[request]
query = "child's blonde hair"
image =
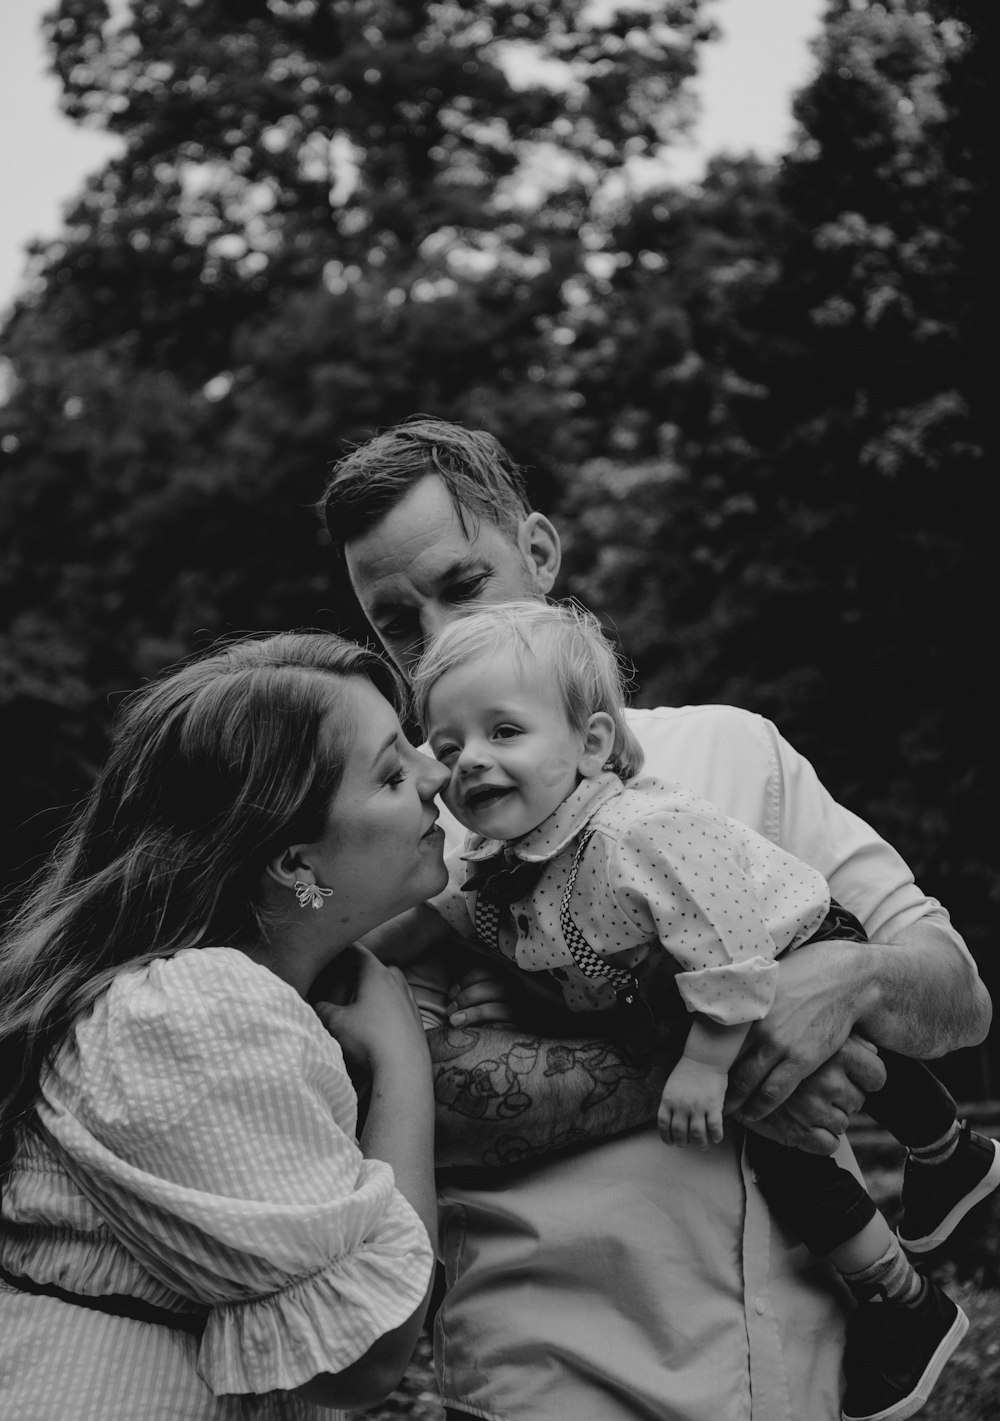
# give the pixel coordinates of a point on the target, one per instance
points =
(570, 649)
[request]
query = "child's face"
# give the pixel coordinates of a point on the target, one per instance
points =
(506, 738)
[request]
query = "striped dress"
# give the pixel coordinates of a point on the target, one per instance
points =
(194, 1149)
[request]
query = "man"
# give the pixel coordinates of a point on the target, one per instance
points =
(625, 1280)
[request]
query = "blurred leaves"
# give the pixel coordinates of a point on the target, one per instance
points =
(763, 407)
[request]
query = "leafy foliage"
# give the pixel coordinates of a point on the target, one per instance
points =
(810, 538)
(762, 406)
(325, 217)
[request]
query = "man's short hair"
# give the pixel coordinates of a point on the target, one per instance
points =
(482, 480)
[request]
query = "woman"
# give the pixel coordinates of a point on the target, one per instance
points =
(189, 1228)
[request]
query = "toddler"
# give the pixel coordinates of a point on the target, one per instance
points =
(635, 899)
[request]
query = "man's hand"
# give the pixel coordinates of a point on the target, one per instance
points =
(482, 995)
(823, 990)
(816, 1114)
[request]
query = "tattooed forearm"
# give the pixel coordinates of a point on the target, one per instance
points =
(504, 1097)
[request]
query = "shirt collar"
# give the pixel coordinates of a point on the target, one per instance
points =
(550, 837)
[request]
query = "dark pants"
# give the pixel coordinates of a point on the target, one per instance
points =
(821, 1203)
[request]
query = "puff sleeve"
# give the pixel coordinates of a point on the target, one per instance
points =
(206, 1113)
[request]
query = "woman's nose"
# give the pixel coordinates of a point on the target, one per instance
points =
(434, 778)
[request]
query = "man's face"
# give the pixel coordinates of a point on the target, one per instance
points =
(420, 568)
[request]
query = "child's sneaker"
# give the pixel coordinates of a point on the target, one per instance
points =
(936, 1197)
(895, 1354)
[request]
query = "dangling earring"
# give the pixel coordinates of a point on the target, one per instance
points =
(310, 895)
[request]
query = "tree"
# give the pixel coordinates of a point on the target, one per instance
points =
(327, 214)
(810, 454)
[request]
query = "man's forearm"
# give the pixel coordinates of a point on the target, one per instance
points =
(919, 995)
(504, 1096)
(926, 998)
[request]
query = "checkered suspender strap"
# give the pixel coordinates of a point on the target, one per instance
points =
(487, 918)
(589, 963)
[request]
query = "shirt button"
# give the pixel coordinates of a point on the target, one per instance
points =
(759, 1306)
(522, 924)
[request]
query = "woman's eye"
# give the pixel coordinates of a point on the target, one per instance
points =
(397, 777)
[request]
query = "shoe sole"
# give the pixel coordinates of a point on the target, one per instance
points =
(946, 1227)
(910, 1405)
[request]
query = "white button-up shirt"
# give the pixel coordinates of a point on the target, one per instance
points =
(632, 1282)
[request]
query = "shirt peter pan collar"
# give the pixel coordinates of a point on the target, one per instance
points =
(563, 825)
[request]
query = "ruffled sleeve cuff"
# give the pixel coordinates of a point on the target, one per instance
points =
(733, 993)
(323, 1322)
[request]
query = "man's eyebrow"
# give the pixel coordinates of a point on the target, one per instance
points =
(468, 562)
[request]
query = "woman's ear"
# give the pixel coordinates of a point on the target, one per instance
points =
(599, 742)
(289, 868)
(539, 544)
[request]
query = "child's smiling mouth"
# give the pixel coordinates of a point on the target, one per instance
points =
(484, 795)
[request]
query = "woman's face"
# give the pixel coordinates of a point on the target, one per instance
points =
(382, 850)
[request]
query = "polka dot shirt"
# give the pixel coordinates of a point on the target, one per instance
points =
(664, 870)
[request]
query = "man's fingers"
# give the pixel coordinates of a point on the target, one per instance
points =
(476, 1015)
(862, 1064)
(783, 1128)
(773, 1091)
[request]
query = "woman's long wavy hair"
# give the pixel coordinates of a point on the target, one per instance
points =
(212, 771)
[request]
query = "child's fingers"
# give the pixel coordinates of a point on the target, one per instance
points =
(673, 1126)
(698, 1131)
(715, 1130)
(680, 1126)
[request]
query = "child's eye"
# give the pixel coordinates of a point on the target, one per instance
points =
(506, 732)
(444, 754)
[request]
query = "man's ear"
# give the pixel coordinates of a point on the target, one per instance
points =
(599, 741)
(289, 867)
(539, 544)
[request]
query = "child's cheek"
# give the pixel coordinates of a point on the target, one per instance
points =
(551, 773)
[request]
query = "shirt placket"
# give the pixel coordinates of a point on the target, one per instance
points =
(770, 1396)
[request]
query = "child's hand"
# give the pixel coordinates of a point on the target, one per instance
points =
(691, 1106)
(480, 995)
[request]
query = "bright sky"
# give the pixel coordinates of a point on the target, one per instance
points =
(745, 87)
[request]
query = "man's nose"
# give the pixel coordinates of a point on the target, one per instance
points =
(433, 619)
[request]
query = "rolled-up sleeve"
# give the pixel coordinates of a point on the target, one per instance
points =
(203, 1109)
(679, 875)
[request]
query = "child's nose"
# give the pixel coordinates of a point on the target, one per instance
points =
(473, 756)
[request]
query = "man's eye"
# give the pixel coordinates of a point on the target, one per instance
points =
(397, 777)
(468, 589)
